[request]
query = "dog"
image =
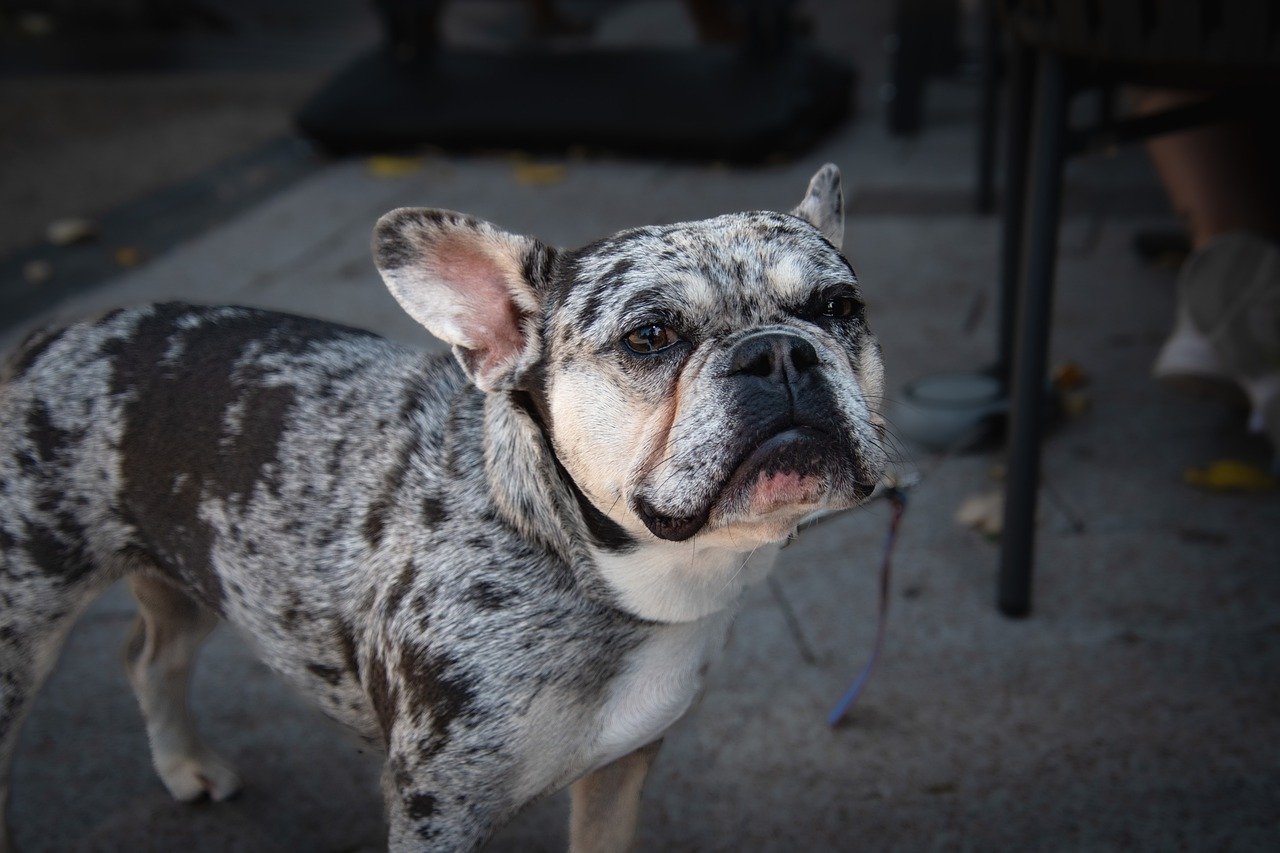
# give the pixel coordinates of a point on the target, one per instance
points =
(509, 569)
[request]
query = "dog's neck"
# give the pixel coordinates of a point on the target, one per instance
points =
(650, 579)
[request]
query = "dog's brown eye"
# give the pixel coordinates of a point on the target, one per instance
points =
(837, 307)
(650, 339)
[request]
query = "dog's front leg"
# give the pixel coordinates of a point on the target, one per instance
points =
(440, 798)
(606, 803)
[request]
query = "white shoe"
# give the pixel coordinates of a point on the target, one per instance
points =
(1228, 324)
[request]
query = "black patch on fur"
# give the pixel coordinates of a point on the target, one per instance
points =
(433, 688)
(489, 596)
(48, 439)
(399, 589)
(375, 521)
(347, 645)
(420, 806)
(331, 674)
(383, 695)
(59, 551)
(433, 511)
(34, 346)
(175, 449)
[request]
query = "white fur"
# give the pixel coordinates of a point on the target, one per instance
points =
(663, 678)
(683, 581)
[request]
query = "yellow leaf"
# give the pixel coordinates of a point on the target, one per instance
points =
(1228, 475)
(393, 166)
(538, 174)
(128, 256)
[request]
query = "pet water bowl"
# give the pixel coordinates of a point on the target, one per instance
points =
(948, 411)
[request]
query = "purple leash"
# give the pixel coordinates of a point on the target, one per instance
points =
(898, 499)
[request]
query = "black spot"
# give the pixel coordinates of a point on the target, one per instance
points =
(48, 439)
(490, 596)
(420, 806)
(59, 551)
(399, 588)
(433, 687)
(480, 541)
(433, 511)
(375, 521)
(347, 644)
(30, 350)
(175, 448)
(331, 674)
(383, 695)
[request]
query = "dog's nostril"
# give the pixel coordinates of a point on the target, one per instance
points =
(778, 357)
(803, 355)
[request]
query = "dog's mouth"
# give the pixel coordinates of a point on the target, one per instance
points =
(792, 468)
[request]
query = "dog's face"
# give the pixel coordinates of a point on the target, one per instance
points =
(714, 379)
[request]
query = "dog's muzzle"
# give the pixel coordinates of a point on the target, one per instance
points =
(791, 446)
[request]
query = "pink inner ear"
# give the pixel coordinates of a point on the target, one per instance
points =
(487, 313)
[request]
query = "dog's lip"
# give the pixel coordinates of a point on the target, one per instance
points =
(746, 470)
(679, 528)
(673, 528)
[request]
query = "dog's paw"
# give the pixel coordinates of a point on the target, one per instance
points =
(190, 777)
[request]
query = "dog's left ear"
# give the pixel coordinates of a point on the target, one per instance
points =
(823, 205)
(470, 283)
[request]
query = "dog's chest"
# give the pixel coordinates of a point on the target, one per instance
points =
(661, 680)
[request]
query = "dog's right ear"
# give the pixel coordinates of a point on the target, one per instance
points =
(470, 284)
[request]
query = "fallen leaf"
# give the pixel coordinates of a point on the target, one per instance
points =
(1076, 403)
(127, 256)
(37, 271)
(983, 512)
(1229, 475)
(538, 174)
(65, 232)
(394, 166)
(1069, 376)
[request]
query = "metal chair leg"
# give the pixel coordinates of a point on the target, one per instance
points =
(1034, 310)
(988, 121)
(1014, 204)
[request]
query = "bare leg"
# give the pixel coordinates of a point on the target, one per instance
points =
(606, 804)
(158, 658)
(1216, 176)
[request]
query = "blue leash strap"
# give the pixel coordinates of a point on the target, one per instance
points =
(898, 499)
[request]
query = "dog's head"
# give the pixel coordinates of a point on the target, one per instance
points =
(714, 379)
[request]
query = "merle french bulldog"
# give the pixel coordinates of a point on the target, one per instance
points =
(510, 569)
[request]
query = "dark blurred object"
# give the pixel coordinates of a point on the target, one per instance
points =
(1227, 50)
(924, 43)
(764, 94)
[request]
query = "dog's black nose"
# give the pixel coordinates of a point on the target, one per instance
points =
(774, 356)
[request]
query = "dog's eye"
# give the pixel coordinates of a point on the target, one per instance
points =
(650, 339)
(832, 306)
(837, 307)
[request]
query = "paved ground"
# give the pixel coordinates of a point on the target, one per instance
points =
(1136, 709)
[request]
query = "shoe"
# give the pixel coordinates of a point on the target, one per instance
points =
(1228, 324)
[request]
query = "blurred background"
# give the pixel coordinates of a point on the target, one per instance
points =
(1081, 647)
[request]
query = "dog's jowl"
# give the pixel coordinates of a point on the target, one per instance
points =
(509, 569)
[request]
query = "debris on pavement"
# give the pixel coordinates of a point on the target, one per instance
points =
(394, 166)
(127, 256)
(1230, 475)
(67, 232)
(37, 272)
(983, 512)
(531, 174)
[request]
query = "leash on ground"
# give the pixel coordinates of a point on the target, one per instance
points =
(893, 488)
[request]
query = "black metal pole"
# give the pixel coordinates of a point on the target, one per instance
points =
(1014, 203)
(985, 195)
(1035, 306)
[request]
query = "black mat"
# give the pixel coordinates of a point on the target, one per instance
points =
(708, 103)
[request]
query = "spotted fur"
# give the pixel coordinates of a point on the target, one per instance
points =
(458, 558)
